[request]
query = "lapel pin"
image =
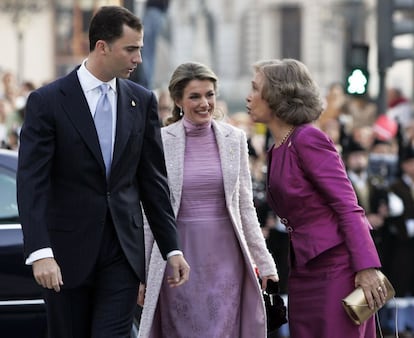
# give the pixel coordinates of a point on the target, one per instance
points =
(133, 103)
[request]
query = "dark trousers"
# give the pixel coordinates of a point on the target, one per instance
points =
(104, 305)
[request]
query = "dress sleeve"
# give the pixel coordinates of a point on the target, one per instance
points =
(324, 168)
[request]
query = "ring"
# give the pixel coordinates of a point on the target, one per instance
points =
(379, 288)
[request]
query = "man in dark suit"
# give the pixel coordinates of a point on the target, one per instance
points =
(81, 216)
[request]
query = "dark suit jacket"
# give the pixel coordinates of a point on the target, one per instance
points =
(63, 194)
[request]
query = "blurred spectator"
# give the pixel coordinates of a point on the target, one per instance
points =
(335, 130)
(26, 88)
(154, 20)
(165, 105)
(223, 109)
(385, 128)
(335, 99)
(3, 127)
(399, 107)
(15, 118)
(362, 110)
(372, 194)
(383, 161)
(408, 136)
(12, 141)
(9, 88)
(243, 121)
(363, 135)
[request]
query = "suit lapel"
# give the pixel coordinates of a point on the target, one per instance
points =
(127, 107)
(76, 107)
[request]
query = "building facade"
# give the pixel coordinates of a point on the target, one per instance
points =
(228, 35)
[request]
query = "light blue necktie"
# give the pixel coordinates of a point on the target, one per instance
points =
(103, 124)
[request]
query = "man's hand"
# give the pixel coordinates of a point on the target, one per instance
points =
(141, 294)
(47, 273)
(180, 271)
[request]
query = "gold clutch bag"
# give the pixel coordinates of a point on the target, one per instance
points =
(356, 305)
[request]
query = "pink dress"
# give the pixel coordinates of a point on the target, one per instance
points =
(209, 304)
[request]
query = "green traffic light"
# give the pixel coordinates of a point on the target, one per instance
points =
(357, 82)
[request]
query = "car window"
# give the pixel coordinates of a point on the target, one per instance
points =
(8, 203)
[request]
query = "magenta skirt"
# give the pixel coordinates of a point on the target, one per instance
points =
(315, 293)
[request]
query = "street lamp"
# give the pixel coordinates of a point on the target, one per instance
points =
(20, 11)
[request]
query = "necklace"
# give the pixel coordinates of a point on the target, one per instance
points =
(286, 136)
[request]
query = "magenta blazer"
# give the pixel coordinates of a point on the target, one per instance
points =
(309, 190)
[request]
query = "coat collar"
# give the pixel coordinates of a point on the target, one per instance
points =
(174, 147)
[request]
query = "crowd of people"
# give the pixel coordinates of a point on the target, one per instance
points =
(305, 165)
(13, 98)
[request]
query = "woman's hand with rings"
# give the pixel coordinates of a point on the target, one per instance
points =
(374, 289)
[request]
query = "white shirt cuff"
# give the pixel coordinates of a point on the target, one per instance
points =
(39, 254)
(409, 224)
(174, 253)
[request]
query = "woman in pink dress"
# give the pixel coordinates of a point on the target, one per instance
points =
(211, 193)
(331, 250)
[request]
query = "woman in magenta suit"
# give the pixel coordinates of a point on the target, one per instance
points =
(331, 251)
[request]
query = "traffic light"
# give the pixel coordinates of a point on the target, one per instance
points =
(394, 17)
(357, 76)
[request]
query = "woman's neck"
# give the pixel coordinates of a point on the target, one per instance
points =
(280, 132)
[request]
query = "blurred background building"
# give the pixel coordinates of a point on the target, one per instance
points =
(44, 39)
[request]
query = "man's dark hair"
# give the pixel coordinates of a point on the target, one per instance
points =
(107, 24)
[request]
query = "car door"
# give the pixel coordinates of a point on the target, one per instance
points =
(22, 310)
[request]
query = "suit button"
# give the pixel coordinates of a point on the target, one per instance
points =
(289, 229)
(284, 221)
(108, 194)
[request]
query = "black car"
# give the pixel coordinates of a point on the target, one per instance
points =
(22, 309)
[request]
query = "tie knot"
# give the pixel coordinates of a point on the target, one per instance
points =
(104, 88)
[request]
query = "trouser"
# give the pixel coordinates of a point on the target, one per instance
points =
(104, 305)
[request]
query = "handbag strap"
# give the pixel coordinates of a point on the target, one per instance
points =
(396, 320)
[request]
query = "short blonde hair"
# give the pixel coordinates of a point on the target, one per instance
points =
(288, 88)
